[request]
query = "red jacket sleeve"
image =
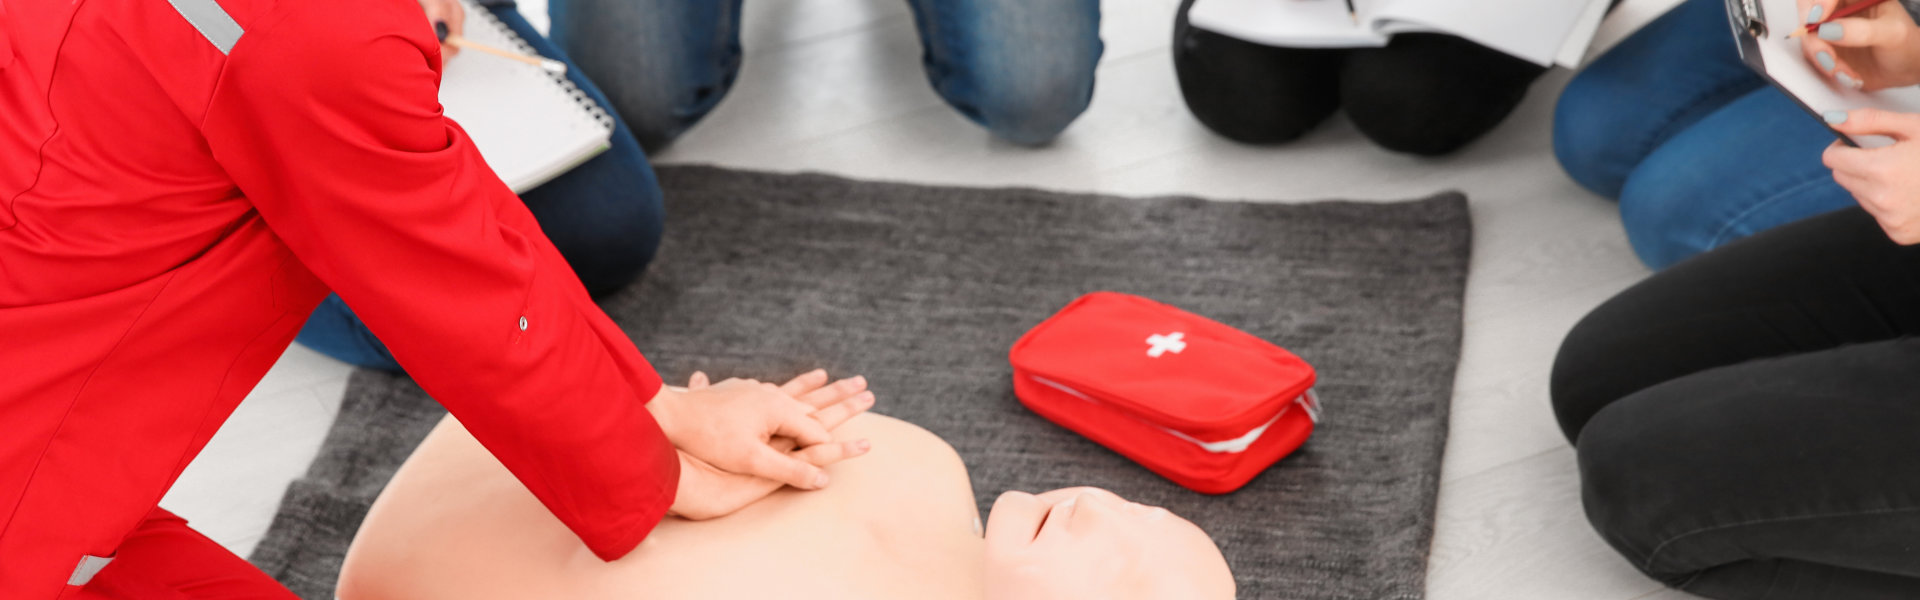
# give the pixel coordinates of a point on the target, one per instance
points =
(326, 115)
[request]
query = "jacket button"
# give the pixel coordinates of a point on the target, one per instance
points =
(523, 323)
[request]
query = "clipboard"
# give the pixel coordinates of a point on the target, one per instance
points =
(1760, 28)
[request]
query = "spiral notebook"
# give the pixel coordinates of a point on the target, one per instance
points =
(1761, 27)
(529, 124)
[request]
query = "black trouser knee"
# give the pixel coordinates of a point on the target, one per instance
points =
(1251, 93)
(1745, 420)
(1425, 94)
(1430, 94)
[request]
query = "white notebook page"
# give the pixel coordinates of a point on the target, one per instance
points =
(1289, 23)
(1545, 32)
(1535, 30)
(529, 125)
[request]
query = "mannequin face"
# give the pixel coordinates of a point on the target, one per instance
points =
(1090, 543)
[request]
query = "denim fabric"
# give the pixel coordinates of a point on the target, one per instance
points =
(1021, 68)
(1697, 148)
(604, 216)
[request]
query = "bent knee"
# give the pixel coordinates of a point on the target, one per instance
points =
(1622, 497)
(1023, 84)
(1672, 212)
(1574, 401)
(1395, 122)
(1588, 139)
(1423, 113)
(1597, 363)
(659, 110)
(1433, 95)
(619, 260)
(1234, 116)
(1255, 94)
(1647, 493)
(608, 252)
(1034, 107)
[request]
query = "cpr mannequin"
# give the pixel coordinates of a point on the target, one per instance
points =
(898, 522)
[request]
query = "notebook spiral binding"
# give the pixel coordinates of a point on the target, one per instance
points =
(599, 113)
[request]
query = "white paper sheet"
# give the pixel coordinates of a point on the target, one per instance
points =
(1545, 32)
(1290, 23)
(529, 127)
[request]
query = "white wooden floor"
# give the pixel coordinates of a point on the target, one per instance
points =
(836, 86)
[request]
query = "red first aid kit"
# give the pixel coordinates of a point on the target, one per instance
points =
(1203, 404)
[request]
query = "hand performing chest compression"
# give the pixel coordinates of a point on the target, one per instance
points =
(739, 440)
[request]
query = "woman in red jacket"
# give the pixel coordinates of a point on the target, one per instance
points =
(181, 183)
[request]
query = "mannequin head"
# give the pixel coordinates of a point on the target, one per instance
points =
(1089, 543)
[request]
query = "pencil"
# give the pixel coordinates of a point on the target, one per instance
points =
(549, 64)
(1353, 14)
(1844, 12)
(446, 37)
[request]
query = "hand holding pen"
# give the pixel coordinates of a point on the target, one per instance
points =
(1863, 45)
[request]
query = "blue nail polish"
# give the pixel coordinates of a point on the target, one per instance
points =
(1830, 32)
(1825, 60)
(1834, 117)
(1813, 14)
(1845, 80)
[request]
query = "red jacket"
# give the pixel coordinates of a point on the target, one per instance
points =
(181, 182)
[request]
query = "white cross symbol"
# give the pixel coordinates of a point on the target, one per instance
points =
(1161, 344)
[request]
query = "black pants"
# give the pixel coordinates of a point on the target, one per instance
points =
(1423, 93)
(1748, 421)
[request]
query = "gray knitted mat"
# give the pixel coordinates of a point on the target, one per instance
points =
(923, 289)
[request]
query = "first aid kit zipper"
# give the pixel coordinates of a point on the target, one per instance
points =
(1306, 400)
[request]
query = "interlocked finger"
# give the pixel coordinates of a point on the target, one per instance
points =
(834, 416)
(828, 395)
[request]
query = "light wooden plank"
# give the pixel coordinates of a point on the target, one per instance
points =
(1517, 532)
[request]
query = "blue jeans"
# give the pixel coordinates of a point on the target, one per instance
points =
(1698, 149)
(1021, 68)
(604, 216)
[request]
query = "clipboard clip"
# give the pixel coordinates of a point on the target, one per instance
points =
(1752, 20)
